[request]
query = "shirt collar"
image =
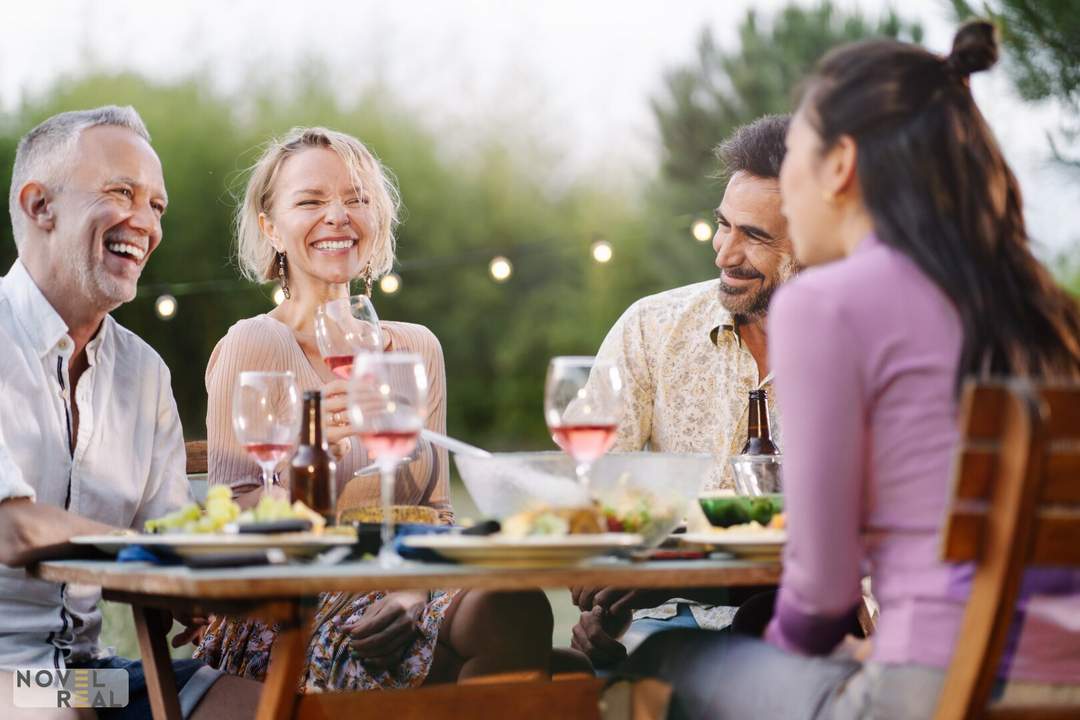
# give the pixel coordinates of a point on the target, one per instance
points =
(725, 322)
(39, 320)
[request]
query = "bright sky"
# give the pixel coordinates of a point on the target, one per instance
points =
(577, 75)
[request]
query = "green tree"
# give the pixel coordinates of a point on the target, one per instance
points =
(721, 88)
(1042, 38)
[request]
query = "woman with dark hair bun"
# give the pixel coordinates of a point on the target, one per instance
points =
(919, 274)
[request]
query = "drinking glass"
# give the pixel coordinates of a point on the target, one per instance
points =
(266, 416)
(388, 394)
(344, 327)
(582, 401)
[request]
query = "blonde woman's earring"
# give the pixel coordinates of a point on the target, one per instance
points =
(283, 275)
(369, 281)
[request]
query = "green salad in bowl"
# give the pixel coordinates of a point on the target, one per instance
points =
(726, 510)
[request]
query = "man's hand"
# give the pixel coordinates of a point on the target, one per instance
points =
(382, 635)
(193, 629)
(615, 600)
(596, 633)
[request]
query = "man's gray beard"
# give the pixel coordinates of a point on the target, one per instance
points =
(99, 290)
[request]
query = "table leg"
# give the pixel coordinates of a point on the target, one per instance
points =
(288, 656)
(152, 626)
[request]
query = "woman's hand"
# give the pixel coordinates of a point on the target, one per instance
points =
(382, 635)
(335, 410)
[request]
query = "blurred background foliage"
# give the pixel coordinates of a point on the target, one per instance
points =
(461, 210)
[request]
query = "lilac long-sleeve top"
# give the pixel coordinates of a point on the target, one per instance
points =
(865, 352)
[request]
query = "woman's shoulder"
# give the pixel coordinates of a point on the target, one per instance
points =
(257, 341)
(412, 337)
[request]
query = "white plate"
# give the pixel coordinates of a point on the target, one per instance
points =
(535, 551)
(755, 544)
(189, 545)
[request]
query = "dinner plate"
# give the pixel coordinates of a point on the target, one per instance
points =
(303, 544)
(527, 552)
(767, 544)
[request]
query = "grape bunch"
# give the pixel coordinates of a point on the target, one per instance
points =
(220, 510)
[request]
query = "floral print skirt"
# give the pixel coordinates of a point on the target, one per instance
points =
(241, 646)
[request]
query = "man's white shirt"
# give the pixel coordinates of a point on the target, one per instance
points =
(128, 463)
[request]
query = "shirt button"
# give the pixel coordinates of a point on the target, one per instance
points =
(64, 344)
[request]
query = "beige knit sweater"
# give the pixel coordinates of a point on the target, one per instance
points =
(263, 343)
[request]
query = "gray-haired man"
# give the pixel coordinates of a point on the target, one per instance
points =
(90, 438)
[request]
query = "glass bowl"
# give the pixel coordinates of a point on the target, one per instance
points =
(645, 493)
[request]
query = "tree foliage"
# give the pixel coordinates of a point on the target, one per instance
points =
(458, 214)
(721, 88)
(1042, 38)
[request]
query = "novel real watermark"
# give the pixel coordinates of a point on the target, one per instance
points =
(71, 688)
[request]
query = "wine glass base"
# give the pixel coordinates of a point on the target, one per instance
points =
(388, 558)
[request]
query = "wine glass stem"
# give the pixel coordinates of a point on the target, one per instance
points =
(582, 470)
(386, 474)
(268, 480)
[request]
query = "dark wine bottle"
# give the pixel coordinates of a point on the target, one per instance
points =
(312, 471)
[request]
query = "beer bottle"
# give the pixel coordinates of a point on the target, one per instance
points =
(312, 471)
(758, 441)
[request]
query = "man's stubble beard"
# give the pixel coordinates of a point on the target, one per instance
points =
(98, 288)
(747, 307)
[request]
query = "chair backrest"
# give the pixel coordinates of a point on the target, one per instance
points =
(1016, 502)
(197, 469)
(196, 457)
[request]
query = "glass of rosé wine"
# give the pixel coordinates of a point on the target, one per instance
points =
(344, 327)
(266, 415)
(388, 396)
(582, 402)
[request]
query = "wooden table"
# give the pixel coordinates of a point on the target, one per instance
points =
(287, 595)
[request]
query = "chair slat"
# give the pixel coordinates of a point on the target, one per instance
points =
(975, 474)
(1061, 474)
(196, 457)
(981, 411)
(1063, 405)
(1056, 538)
(964, 533)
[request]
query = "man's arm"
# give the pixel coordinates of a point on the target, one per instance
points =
(30, 532)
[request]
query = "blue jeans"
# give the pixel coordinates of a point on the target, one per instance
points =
(726, 675)
(193, 679)
(641, 630)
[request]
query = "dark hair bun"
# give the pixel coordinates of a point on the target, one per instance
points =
(975, 48)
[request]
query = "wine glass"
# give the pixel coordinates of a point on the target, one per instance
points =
(266, 416)
(344, 327)
(388, 395)
(582, 401)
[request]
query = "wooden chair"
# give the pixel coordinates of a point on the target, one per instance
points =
(196, 457)
(197, 468)
(1016, 504)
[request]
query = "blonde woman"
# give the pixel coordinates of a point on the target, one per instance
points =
(319, 212)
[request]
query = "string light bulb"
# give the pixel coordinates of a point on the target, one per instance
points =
(390, 283)
(165, 307)
(602, 251)
(701, 230)
(501, 269)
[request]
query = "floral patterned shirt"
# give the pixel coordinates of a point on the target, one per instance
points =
(687, 380)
